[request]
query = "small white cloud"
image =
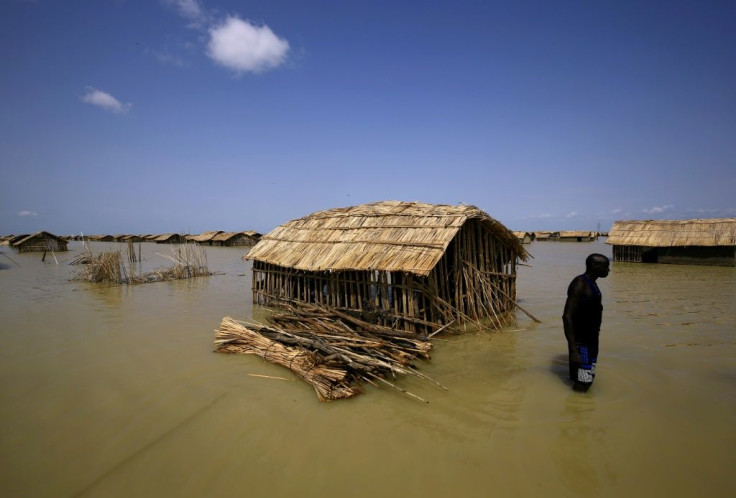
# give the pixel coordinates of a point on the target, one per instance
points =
(617, 211)
(165, 57)
(105, 101)
(28, 213)
(572, 214)
(245, 47)
(541, 216)
(658, 209)
(189, 9)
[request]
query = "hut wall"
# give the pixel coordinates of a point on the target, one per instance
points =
(474, 280)
(41, 243)
(714, 256)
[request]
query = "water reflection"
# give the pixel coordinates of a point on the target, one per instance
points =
(115, 391)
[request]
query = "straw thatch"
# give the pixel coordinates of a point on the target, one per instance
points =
(170, 238)
(247, 238)
(524, 237)
(577, 235)
(39, 242)
(205, 237)
(393, 236)
(546, 235)
(674, 233)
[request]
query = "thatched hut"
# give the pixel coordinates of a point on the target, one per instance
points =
(408, 265)
(39, 242)
(205, 238)
(546, 235)
(576, 236)
(524, 237)
(239, 239)
(704, 242)
(170, 238)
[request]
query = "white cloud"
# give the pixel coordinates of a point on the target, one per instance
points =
(541, 216)
(166, 57)
(617, 211)
(245, 47)
(189, 9)
(658, 209)
(28, 213)
(105, 101)
(572, 214)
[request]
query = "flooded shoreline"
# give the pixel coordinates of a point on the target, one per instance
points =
(115, 391)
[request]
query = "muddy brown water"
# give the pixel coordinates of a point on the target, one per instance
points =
(115, 392)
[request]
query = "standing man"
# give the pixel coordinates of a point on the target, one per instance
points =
(582, 321)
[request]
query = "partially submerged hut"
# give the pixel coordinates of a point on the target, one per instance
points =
(545, 235)
(576, 236)
(239, 239)
(524, 237)
(408, 265)
(39, 242)
(170, 238)
(699, 241)
(205, 238)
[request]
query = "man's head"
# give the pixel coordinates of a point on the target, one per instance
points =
(597, 265)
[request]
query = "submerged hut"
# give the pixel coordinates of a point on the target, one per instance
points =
(170, 238)
(205, 238)
(408, 265)
(239, 239)
(576, 236)
(39, 242)
(545, 235)
(699, 241)
(524, 237)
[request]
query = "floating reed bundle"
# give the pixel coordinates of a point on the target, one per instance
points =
(111, 267)
(331, 349)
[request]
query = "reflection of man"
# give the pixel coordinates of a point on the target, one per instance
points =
(582, 321)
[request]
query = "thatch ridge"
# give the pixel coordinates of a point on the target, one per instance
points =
(674, 233)
(389, 235)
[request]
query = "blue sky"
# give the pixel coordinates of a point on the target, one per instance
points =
(140, 116)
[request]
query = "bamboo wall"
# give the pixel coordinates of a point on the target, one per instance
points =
(475, 280)
(627, 254)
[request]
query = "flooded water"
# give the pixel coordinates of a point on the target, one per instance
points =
(115, 392)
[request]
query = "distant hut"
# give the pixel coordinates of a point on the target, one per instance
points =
(543, 235)
(524, 237)
(132, 238)
(408, 265)
(205, 238)
(239, 239)
(576, 236)
(699, 241)
(170, 238)
(101, 238)
(39, 242)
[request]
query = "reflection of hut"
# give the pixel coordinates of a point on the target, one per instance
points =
(407, 265)
(170, 238)
(40, 242)
(546, 235)
(240, 239)
(576, 236)
(205, 238)
(705, 242)
(524, 237)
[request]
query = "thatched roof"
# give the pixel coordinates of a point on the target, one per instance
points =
(674, 233)
(390, 236)
(205, 236)
(576, 233)
(25, 238)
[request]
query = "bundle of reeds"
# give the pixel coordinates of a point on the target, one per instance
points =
(111, 267)
(331, 349)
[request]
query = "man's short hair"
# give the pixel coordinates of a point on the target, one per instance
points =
(595, 258)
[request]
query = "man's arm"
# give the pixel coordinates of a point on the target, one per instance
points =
(579, 290)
